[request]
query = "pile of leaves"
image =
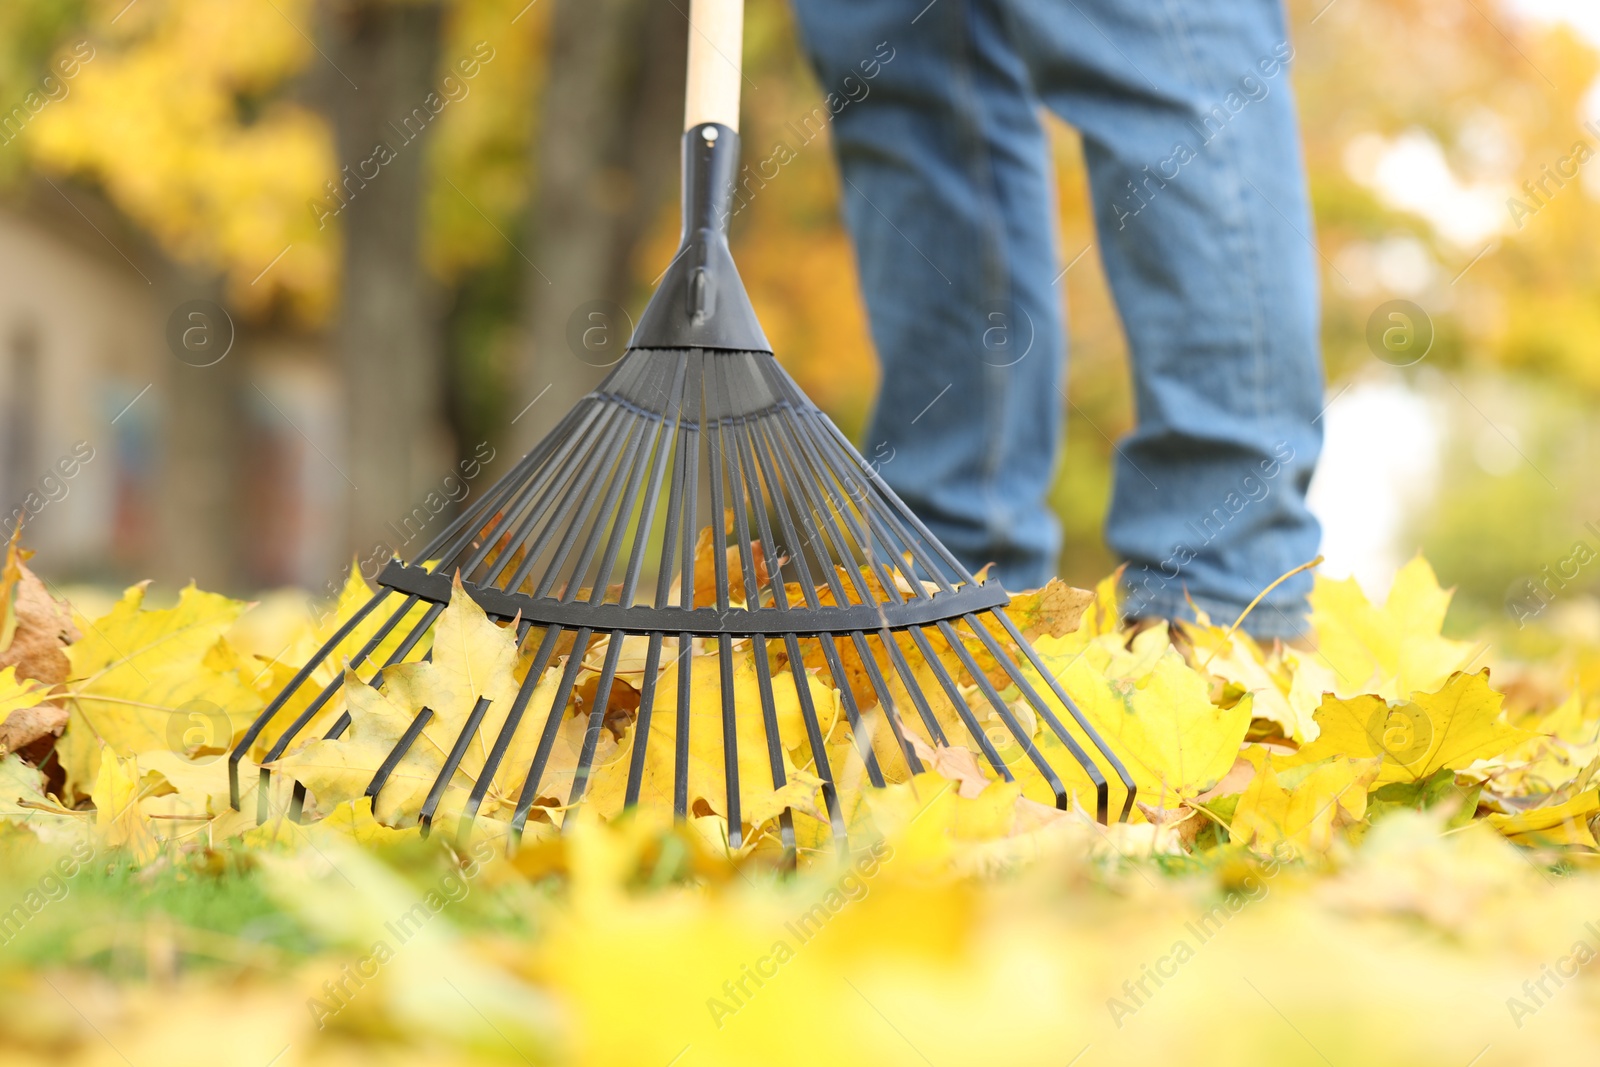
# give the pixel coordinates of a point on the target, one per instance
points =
(1360, 851)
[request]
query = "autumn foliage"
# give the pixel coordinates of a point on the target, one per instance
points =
(1363, 837)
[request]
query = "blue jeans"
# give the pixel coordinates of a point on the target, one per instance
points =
(1204, 229)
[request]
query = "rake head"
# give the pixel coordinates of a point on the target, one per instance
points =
(697, 533)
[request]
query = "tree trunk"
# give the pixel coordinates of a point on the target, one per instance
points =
(202, 448)
(606, 158)
(386, 55)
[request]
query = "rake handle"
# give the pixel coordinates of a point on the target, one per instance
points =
(716, 48)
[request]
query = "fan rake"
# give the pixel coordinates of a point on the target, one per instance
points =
(816, 566)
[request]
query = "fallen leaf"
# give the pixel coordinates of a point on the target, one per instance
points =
(138, 675)
(1054, 610)
(1415, 738)
(1392, 651)
(1300, 805)
(23, 717)
(35, 628)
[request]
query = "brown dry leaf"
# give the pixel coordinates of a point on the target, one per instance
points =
(26, 725)
(960, 765)
(1175, 828)
(1054, 610)
(35, 628)
(705, 566)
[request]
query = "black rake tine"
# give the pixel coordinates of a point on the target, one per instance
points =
(730, 740)
(381, 777)
(531, 503)
(340, 725)
(293, 686)
(599, 476)
(1102, 800)
(666, 434)
(739, 485)
(873, 532)
(825, 503)
(817, 418)
(885, 700)
(479, 520)
(759, 435)
(464, 526)
(680, 755)
(1072, 708)
(641, 726)
(613, 505)
(508, 729)
(754, 491)
(719, 517)
(552, 726)
(853, 713)
(619, 525)
(804, 515)
(563, 511)
(959, 702)
(918, 698)
(817, 741)
(769, 715)
(1007, 716)
(297, 800)
(825, 473)
(745, 460)
(458, 751)
(597, 716)
(686, 657)
(328, 691)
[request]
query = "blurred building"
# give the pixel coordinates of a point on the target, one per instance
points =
(90, 398)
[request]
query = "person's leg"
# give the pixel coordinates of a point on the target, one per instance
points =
(1205, 231)
(947, 192)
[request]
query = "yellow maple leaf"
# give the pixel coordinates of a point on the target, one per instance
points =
(119, 822)
(272, 671)
(1301, 804)
(473, 658)
(137, 675)
(707, 773)
(1570, 823)
(1237, 658)
(1392, 651)
(1460, 723)
(1151, 709)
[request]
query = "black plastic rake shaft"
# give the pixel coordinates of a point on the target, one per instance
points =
(698, 435)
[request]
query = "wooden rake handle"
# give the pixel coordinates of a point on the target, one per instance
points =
(716, 49)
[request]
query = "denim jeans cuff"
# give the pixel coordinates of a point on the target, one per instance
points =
(1264, 623)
